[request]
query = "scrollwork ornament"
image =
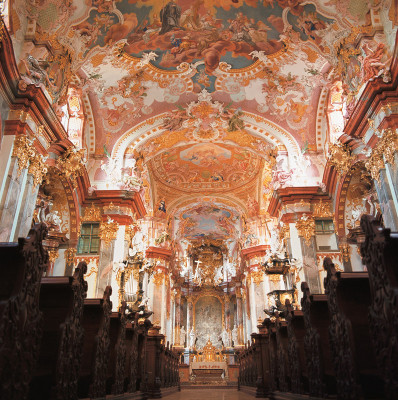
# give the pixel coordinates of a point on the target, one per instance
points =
(322, 210)
(70, 255)
(345, 251)
(2, 27)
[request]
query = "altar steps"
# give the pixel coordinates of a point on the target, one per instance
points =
(222, 385)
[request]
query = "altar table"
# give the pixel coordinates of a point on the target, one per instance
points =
(209, 365)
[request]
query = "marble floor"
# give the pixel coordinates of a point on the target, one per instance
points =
(209, 394)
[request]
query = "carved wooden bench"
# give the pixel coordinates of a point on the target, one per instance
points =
(21, 267)
(321, 376)
(61, 302)
(117, 352)
(353, 356)
(282, 345)
(380, 255)
(94, 365)
(296, 351)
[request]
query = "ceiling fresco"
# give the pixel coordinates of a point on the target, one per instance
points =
(214, 99)
(206, 166)
(208, 220)
(136, 59)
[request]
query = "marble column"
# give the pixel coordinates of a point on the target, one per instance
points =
(28, 206)
(253, 306)
(105, 266)
(305, 251)
(189, 317)
(177, 318)
(239, 316)
(163, 305)
(11, 201)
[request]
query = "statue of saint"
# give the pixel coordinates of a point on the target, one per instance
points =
(192, 339)
(225, 338)
(182, 336)
(235, 335)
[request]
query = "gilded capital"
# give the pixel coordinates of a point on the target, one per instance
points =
(52, 255)
(306, 228)
(383, 152)
(341, 157)
(71, 163)
(108, 230)
(37, 168)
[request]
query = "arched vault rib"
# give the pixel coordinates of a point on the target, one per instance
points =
(255, 125)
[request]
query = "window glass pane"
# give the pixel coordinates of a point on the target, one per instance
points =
(94, 244)
(95, 230)
(84, 245)
(85, 229)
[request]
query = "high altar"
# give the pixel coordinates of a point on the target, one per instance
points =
(208, 365)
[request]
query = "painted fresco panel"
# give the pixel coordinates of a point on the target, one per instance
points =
(208, 321)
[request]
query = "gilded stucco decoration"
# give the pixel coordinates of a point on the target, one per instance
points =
(29, 158)
(383, 153)
(38, 169)
(71, 164)
(69, 255)
(340, 157)
(322, 209)
(257, 276)
(306, 228)
(158, 278)
(108, 230)
(345, 251)
(52, 255)
(92, 214)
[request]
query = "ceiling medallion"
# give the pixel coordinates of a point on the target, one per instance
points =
(205, 120)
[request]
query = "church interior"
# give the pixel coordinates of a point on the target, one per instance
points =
(214, 182)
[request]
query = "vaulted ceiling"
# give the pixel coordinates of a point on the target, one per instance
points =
(208, 93)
